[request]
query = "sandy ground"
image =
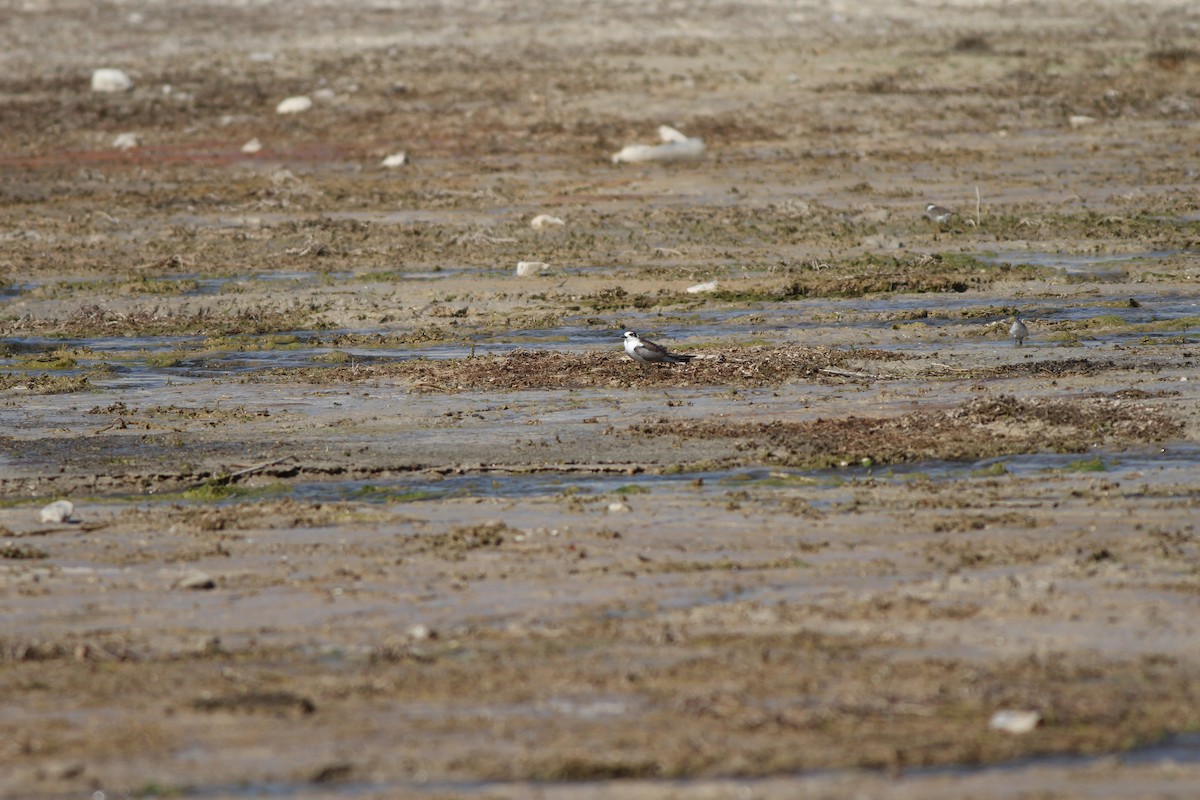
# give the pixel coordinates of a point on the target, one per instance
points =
(359, 513)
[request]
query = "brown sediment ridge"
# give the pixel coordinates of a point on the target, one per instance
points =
(546, 369)
(983, 428)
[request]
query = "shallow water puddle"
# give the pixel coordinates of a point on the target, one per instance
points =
(881, 314)
(1077, 264)
(902, 322)
(1177, 749)
(822, 489)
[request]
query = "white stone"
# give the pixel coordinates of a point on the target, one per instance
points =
(543, 221)
(251, 147)
(1015, 722)
(1077, 121)
(58, 511)
(111, 80)
(395, 160)
(701, 288)
(126, 141)
(294, 105)
(421, 633)
(619, 508)
(526, 269)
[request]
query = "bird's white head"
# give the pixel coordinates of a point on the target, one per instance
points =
(630, 335)
(930, 207)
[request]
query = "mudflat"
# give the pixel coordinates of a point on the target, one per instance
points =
(358, 511)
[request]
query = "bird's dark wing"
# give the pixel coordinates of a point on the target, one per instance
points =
(650, 351)
(656, 352)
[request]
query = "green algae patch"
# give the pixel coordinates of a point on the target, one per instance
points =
(59, 359)
(334, 357)
(858, 276)
(221, 488)
(380, 494)
(213, 490)
(44, 384)
(93, 320)
(992, 471)
(163, 360)
(1087, 465)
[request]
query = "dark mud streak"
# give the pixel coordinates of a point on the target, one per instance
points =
(984, 428)
(1072, 367)
(543, 369)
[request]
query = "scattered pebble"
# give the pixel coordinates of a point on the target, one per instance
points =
(701, 288)
(126, 141)
(58, 511)
(675, 147)
(252, 146)
(543, 221)
(294, 105)
(1015, 722)
(619, 508)
(395, 160)
(111, 80)
(527, 269)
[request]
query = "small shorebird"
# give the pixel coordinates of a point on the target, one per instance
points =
(1018, 331)
(647, 352)
(938, 215)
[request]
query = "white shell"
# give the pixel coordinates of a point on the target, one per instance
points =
(395, 160)
(252, 146)
(1016, 722)
(195, 579)
(58, 511)
(527, 269)
(294, 105)
(542, 221)
(107, 79)
(126, 141)
(1077, 121)
(701, 288)
(675, 147)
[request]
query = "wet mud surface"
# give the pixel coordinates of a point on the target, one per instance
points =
(358, 512)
